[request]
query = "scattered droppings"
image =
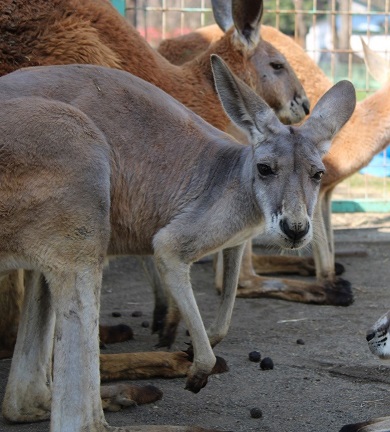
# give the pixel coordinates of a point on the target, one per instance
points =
(254, 356)
(145, 324)
(256, 413)
(136, 314)
(267, 363)
(116, 314)
(300, 342)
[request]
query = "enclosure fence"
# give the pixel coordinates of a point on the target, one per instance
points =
(330, 31)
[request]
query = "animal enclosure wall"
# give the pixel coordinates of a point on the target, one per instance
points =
(330, 31)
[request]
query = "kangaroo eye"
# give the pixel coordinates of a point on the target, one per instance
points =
(264, 170)
(318, 175)
(276, 66)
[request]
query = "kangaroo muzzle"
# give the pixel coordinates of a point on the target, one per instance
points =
(295, 231)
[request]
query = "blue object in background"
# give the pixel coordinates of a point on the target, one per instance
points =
(379, 165)
(120, 6)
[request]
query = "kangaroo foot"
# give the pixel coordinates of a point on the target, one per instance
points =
(116, 396)
(337, 293)
(338, 269)
(196, 382)
(283, 264)
(144, 365)
(27, 404)
(220, 366)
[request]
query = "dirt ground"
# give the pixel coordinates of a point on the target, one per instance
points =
(329, 381)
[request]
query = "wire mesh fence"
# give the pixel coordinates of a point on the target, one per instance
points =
(329, 30)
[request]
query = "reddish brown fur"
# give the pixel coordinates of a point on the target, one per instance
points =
(95, 33)
(116, 396)
(181, 49)
(347, 155)
(79, 37)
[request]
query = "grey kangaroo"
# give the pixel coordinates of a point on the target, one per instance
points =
(95, 161)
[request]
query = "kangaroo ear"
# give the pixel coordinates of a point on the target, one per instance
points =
(242, 105)
(247, 16)
(377, 65)
(330, 114)
(222, 11)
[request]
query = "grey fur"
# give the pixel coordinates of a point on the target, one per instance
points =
(97, 161)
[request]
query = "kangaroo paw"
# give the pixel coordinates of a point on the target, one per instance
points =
(196, 382)
(117, 396)
(220, 366)
(339, 268)
(339, 293)
(143, 365)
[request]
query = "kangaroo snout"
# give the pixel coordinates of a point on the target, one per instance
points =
(303, 103)
(295, 110)
(306, 106)
(294, 231)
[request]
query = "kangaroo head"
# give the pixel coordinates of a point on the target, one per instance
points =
(285, 164)
(377, 337)
(267, 68)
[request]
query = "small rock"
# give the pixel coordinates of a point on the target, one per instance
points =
(256, 413)
(116, 314)
(300, 342)
(267, 363)
(254, 356)
(136, 314)
(145, 324)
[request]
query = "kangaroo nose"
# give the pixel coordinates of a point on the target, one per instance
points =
(370, 336)
(297, 231)
(306, 107)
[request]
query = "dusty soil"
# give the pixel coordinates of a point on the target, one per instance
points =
(329, 381)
